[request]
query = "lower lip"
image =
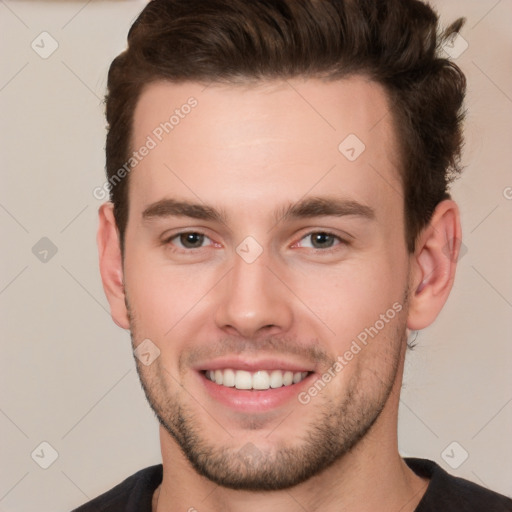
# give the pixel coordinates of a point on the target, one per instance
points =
(254, 400)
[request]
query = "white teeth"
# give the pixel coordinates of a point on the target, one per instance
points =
(243, 380)
(228, 378)
(276, 379)
(260, 379)
(287, 378)
(297, 377)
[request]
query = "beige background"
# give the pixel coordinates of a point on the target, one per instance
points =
(67, 373)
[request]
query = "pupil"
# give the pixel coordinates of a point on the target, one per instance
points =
(192, 240)
(322, 240)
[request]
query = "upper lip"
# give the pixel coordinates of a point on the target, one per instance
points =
(237, 363)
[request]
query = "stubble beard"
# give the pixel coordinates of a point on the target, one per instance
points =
(337, 427)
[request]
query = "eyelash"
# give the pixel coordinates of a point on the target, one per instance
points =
(341, 241)
(168, 241)
(335, 247)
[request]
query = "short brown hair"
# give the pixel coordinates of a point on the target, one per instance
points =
(394, 42)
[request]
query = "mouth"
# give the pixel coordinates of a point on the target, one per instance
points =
(259, 380)
(254, 387)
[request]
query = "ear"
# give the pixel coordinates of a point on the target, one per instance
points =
(111, 264)
(434, 264)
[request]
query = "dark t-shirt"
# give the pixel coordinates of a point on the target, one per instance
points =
(445, 493)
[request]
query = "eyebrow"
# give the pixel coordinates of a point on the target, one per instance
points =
(323, 207)
(304, 208)
(174, 208)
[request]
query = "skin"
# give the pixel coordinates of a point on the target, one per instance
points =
(249, 151)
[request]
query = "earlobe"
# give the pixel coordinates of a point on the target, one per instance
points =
(434, 264)
(111, 264)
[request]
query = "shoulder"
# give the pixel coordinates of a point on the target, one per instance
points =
(133, 494)
(453, 494)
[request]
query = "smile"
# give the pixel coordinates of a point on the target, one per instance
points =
(258, 380)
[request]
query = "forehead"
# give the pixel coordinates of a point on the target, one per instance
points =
(264, 143)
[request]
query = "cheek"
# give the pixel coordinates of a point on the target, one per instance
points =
(163, 296)
(351, 297)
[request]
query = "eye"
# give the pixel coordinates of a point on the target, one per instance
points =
(189, 240)
(320, 240)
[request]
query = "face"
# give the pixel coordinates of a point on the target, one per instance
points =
(267, 264)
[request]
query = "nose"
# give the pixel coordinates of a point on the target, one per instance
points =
(252, 301)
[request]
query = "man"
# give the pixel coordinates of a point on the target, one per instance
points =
(279, 223)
